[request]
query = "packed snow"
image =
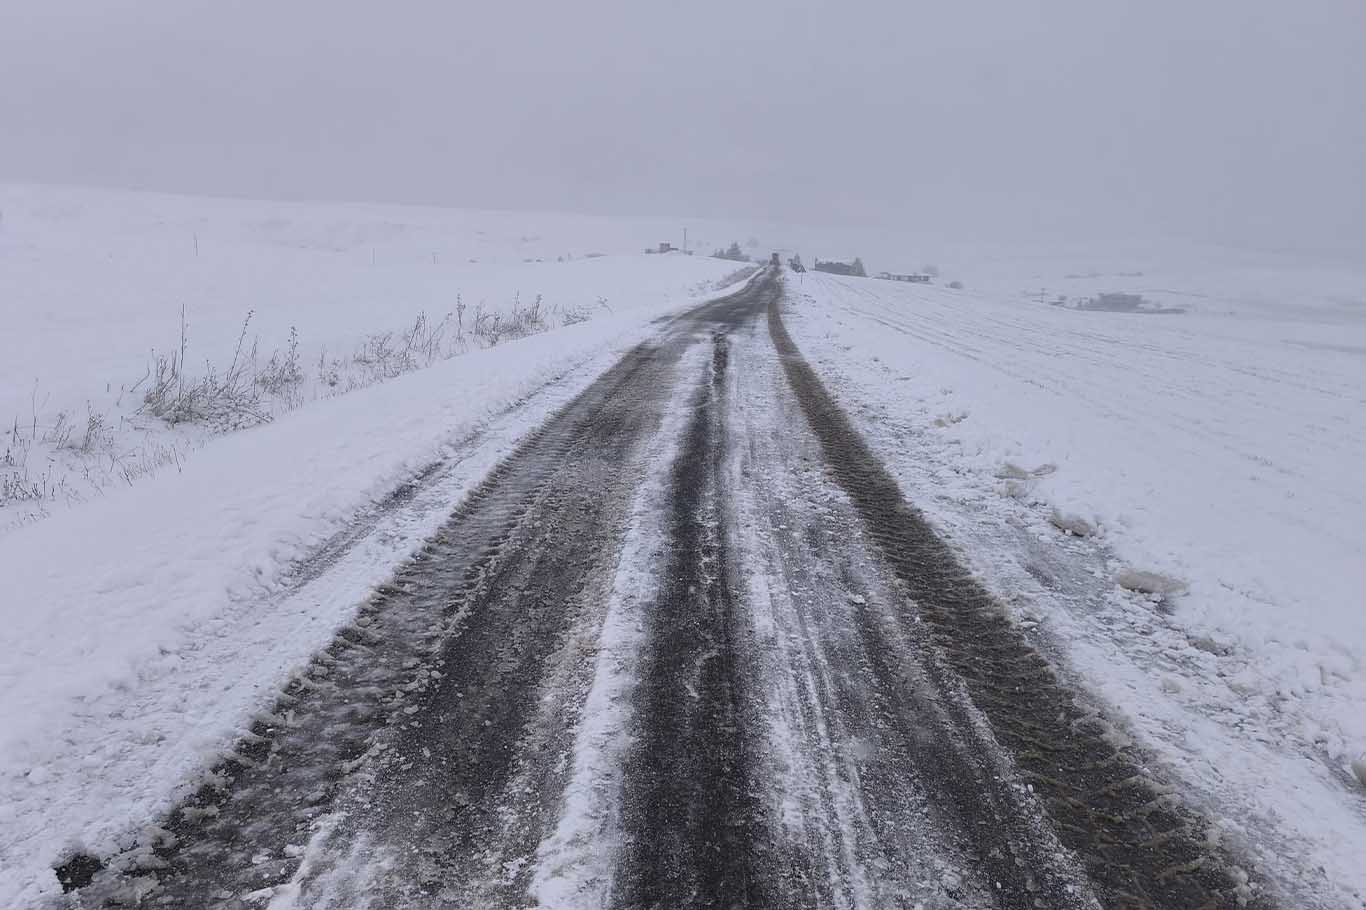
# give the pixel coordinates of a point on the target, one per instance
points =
(1201, 469)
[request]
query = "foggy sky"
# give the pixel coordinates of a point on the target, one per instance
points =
(1234, 120)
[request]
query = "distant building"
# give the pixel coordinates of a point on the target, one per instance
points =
(852, 267)
(914, 277)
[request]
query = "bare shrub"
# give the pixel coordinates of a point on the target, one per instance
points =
(489, 328)
(423, 342)
(96, 434)
(225, 400)
(16, 483)
(329, 371)
(526, 320)
(574, 315)
(281, 374)
(377, 352)
(59, 434)
(16, 486)
(384, 355)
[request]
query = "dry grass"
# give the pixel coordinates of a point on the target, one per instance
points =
(70, 457)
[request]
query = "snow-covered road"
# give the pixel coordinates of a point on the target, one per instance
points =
(688, 645)
(1219, 447)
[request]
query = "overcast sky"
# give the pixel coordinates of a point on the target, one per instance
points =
(1239, 120)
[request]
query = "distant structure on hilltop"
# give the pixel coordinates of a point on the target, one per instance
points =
(852, 267)
(732, 252)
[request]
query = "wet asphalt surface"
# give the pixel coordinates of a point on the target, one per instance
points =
(825, 709)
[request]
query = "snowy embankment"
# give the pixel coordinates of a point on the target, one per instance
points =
(1220, 448)
(307, 300)
(146, 624)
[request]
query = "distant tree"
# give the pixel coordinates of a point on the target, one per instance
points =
(931, 270)
(857, 268)
(956, 285)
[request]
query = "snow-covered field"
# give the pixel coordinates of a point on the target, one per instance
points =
(145, 621)
(93, 285)
(1220, 447)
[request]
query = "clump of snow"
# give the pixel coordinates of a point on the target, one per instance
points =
(1359, 768)
(1209, 646)
(950, 419)
(1146, 582)
(1070, 523)
(1011, 471)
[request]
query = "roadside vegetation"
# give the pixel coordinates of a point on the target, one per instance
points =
(180, 401)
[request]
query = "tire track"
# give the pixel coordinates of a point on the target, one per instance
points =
(694, 826)
(1141, 847)
(456, 619)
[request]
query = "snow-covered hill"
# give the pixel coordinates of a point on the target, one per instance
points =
(307, 300)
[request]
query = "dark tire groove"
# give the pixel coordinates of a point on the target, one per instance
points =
(693, 823)
(451, 619)
(457, 752)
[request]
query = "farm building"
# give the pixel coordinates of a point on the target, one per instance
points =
(852, 267)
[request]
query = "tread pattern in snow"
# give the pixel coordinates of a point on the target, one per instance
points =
(391, 668)
(1141, 847)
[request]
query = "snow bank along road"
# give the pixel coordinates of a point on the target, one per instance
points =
(686, 646)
